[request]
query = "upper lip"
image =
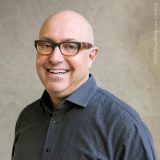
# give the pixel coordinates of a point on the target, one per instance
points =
(57, 69)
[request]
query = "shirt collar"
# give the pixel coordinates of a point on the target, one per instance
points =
(84, 93)
(80, 97)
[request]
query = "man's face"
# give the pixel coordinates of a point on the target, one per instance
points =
(61, 74)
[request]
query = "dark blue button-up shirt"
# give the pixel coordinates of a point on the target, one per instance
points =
(90, 124)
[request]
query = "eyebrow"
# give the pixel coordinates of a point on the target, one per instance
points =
(64, 40)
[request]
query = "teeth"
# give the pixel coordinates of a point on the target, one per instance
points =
(57, 71)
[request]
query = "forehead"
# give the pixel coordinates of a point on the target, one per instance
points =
(63, 27)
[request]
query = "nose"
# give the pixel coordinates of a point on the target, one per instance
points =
(56, 56)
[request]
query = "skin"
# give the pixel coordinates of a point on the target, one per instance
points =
(65, 26)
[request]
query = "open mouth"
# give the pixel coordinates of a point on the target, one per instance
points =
(57, 71)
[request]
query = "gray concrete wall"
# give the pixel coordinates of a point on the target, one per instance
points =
(127, 33)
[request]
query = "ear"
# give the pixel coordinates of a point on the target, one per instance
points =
(92, 56)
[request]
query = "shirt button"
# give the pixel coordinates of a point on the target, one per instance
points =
(54, 122)
(48, 149)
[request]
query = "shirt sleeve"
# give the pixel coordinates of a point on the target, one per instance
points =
(137, 144)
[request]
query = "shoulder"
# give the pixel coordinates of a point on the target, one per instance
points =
(28, 113)
(121, 118)
(115, 114)
(113, 105)
(32, 107)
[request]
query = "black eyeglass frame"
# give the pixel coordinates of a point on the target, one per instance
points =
(81, 45)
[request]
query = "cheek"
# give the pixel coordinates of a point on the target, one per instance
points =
(37, 59)
(80, 62)
(40, 60)
(85, 61)
(38, 63)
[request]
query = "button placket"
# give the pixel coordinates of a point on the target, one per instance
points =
(52, 134)
(50, 140)
(48, 149)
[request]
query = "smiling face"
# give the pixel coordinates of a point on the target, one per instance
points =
(61, 74)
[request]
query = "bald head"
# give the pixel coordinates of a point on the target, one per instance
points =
(68, 23)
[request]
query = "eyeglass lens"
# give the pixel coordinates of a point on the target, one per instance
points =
(66, 48)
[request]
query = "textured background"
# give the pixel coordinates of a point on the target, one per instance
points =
(127, 33)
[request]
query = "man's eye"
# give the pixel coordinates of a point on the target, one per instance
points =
(44, 45)
(70, 46)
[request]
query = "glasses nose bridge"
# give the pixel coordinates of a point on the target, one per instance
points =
(54, 45)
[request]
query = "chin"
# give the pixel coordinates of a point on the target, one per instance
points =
(55, 89)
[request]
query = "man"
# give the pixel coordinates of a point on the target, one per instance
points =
(75, 119)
